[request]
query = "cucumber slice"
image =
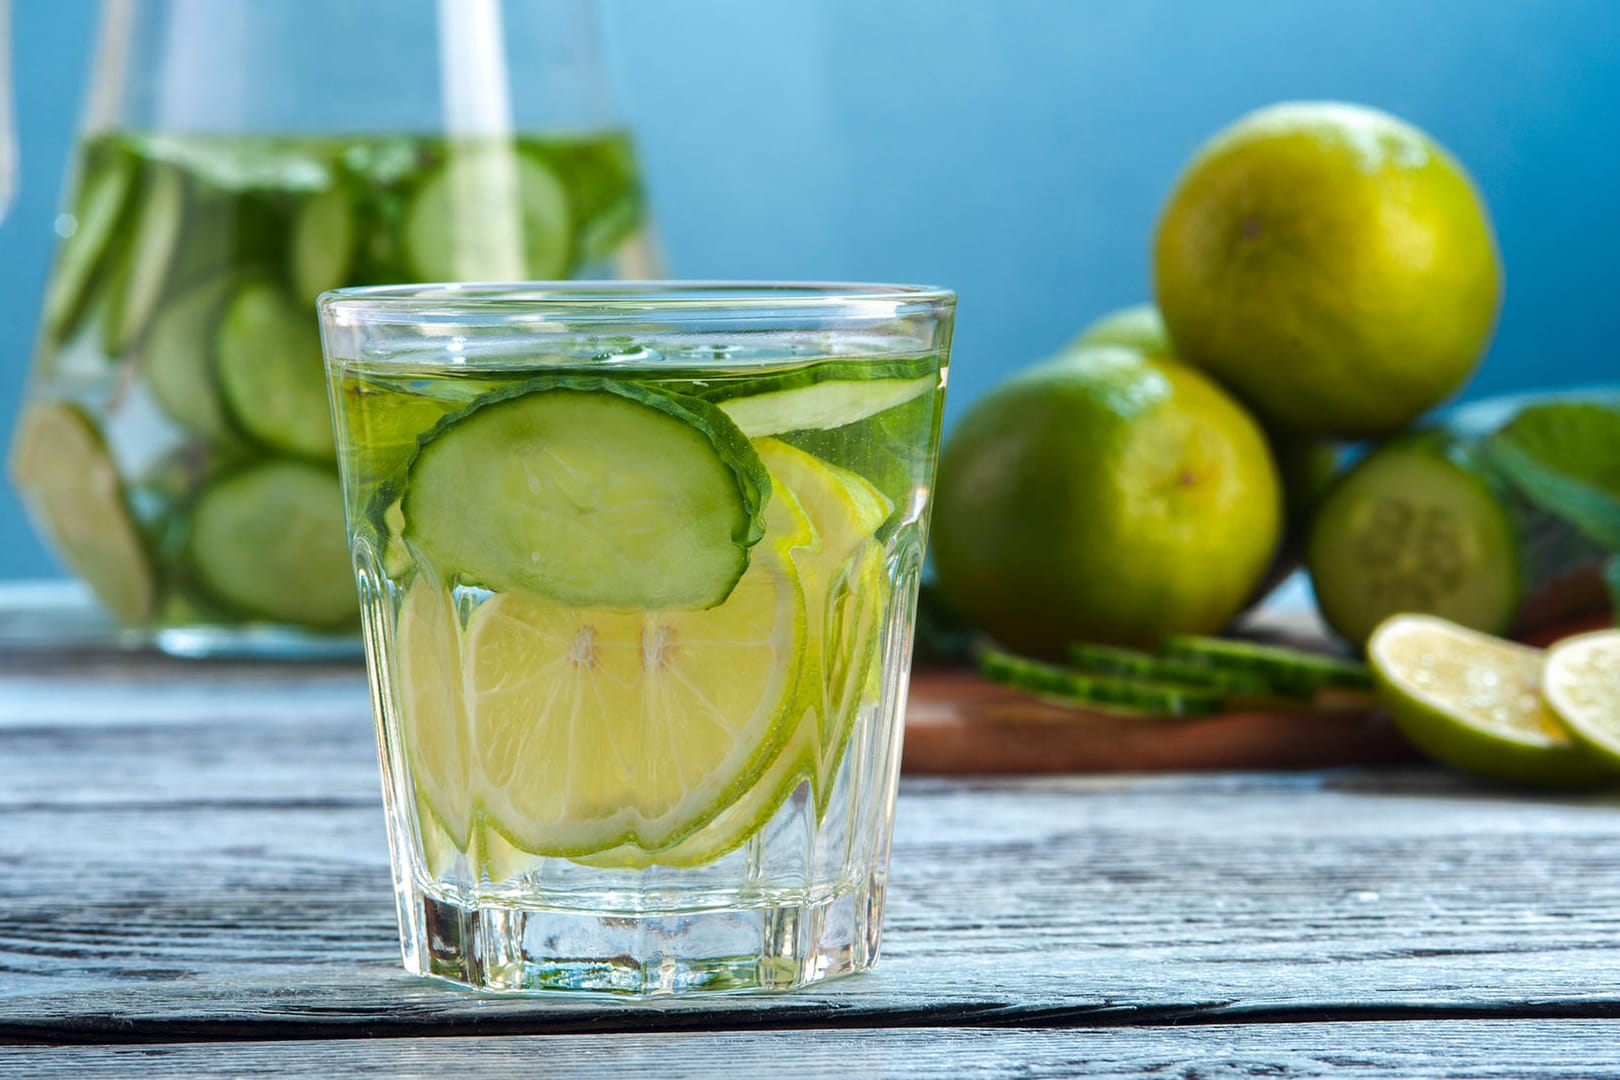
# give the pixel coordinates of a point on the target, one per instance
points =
(1101, 691)
(178, 361)
(324, 237)
(828, 395)
(268, 542)
(596, 493)
(83, 256)
(71, 485)
(141, 277)
(490, 213)
(1288, 672)
(1129, 663)
(1415, 527)
(604, 193)
(271, 374)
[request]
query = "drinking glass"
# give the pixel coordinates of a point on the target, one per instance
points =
(638, 566)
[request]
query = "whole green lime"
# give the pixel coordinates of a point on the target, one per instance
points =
(1107, 496)
(1332, 265)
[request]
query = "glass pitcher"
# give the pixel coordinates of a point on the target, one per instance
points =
(236, 160)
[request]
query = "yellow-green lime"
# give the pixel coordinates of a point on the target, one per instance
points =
(1332, 264)
(595, 728)
(1582, 684)
(1103, 496)
(1139, 327)
(1474, 702)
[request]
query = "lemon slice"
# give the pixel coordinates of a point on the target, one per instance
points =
(1582, 684)
(1474, 702)
(433, 718)
(594, 728)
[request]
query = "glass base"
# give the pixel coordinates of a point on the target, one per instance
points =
(772, 947)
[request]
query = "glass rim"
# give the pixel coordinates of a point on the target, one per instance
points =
(585, 302)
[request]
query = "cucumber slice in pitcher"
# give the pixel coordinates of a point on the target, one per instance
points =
(83, 255)
(144, 271)
(825, 396)
(71, 484)
(271, 374)
(324, 238)
(489, 213)
(267, 542)
(178, 361)
(593, 492)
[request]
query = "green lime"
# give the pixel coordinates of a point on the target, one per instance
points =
(1330, 263)
(1140, 327)
(1474, 702)
(1103, 496)
(1582, 684)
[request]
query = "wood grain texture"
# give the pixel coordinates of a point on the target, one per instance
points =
(1418, 1050)
(204, 859)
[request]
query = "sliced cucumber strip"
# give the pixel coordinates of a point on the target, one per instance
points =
(178, 361)
(1129, 663)
(1100, 691)
(490, 213)
(268, 543)
(83, 255)
(825, 396)
(71, 485)
(593, 492)
(271, 373)
(161, 210)
(1289, 672)
(323, 243)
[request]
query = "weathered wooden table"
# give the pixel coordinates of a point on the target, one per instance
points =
(195, 880)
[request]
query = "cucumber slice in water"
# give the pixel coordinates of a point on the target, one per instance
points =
(490, 213)
(83, 255)
(593, 492)
(268, 542)
(141, 277)
(178, 361)
(324, 237)
(824, 396)
(71, 484)
(1415, 527)
(271, 374)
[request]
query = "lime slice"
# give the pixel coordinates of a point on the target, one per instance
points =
(594, 728)
(1474, 702)
(432, 711)
(71, 485)
(1582, 684)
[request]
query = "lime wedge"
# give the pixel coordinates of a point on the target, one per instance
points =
(1582, 684)
(1474, 702)
(595, 728)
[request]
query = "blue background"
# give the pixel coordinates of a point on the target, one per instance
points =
(1015, 150)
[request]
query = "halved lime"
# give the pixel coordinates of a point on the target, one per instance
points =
(1582, 684)
(1474, 702)
(594, 728)
(71, 484)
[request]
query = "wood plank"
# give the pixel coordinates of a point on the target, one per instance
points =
(212, 865)
(1457, 1050)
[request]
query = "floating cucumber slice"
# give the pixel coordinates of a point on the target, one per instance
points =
(828, 395)
(1129, 663)
(1289, 672)
(593, 492)
(271, 374)
(70, 483)
(491, 212)
(324, 237)
(1415, 527)
(268, 542)
(141, 277)
(1102, 691)
(178, 361)
(83, 256)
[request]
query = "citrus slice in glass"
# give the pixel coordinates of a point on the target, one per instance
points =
(433, 718)
(1474, 702)
(1582, 684)
(594, 728)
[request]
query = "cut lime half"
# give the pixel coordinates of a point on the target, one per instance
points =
(1474, 702)
(1582, 684)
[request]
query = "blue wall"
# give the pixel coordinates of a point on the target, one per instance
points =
(1016, 150)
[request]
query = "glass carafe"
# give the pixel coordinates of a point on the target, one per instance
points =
(236, 160)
